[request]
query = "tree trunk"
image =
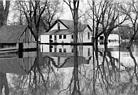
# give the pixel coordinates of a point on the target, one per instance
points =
(4, 12)
(75, 71)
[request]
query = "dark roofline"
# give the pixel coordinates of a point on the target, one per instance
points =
(32, 32)
(56, 23)
(63, 23)
(89, 28)
(22, 33)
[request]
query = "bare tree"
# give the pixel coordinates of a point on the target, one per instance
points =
(105, 16)
(39, 15)
(33, 10)
(4, 11)
(74, 7)
(131, 10)
(52, 11)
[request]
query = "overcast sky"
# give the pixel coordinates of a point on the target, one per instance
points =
(66, 14)
(83, 7)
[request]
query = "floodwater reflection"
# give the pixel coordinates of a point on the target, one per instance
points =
(114, 72)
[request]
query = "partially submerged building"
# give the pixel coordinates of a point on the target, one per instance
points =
(62, 32)
(14, 36)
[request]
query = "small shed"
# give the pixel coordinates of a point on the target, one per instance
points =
(12, 35)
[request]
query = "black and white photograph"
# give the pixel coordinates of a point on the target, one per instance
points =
(68, 47)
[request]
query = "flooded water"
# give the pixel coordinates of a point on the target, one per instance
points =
(100, 72)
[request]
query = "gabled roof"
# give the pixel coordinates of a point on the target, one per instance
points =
(58, 32)
(69, 24)
(13, 33)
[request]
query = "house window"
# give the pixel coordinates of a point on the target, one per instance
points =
(60, 50)
(55, 37)
(64, 36)
(55, 49)
(50, 49)
(60, 36)
(50, 36)
(51, 41)
(51, 46)
(72, 36)
(88, 51)
(101, 37)
(58, 26)
(64, 50)
(72, 50)
(88, 35)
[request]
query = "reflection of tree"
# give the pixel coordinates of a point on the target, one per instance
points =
(34, 12)
(107, 81)
(134, 60)
(110, 78)
(46, 80)
(74, 8)
(104, 15)
(3, 83)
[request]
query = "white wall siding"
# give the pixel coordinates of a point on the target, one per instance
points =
(85, 35)
(44, 48)
(55, 27)
(65, 49)
(68, 39)
(62, 26)
(29, 45)
(44, 38)
(80, 37)
(113, 37)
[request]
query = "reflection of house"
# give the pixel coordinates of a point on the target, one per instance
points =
(11, 36)
(63, 61)
(66, 50)
(62, 32)
(16, 65)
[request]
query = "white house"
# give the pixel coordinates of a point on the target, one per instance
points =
(113, 40)
(62, 32)
(114, 37)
